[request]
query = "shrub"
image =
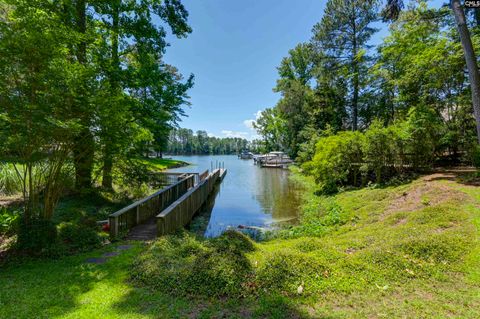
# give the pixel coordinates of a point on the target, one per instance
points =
(184, 265)
(474, 155)
(378, 154)
(9, 182)
(380, 149)
(424, 134)
(37, 236)
(78, 237)
(8, 221)
(337, 160)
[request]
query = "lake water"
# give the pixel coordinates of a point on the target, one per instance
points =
(249, 195)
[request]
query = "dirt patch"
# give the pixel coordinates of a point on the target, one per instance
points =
(428, 192)
(8, 201)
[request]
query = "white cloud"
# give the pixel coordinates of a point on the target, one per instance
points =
(249, 124)
(229, 133)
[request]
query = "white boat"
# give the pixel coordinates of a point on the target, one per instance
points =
(245, 155)
(273, 159)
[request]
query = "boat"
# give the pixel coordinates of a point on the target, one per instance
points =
(245, 155)
(273, 159)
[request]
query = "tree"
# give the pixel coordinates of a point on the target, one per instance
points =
(343, 35)
(36, 123)
(470, 58)
(272, 127)
(395, 6)
(295, 73)
(133, 34)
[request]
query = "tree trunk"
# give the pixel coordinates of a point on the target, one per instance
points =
(355, 97)
(83, 152)
(355, 77)
(470, 58)
(83, 149)
(107, 181)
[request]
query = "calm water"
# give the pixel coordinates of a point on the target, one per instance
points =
(249, 195)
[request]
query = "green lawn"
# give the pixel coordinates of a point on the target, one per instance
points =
(406, 251)
(160, 164)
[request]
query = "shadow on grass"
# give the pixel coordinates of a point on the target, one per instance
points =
(51, 288)
(158, 304)
(468, 176)
(97, 204)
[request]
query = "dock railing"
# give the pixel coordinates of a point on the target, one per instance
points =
(148, 207)
(180, 212)
(203, 175)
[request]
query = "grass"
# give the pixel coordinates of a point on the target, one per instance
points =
(402, 251)
(160, 164)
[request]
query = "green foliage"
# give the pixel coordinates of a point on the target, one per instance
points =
(78, 236)
(286, 270)
(336, 161)
(9, 180)
(186, 142)
(194, 267)
(474, 155)
(272, 127)
(424, 132)
(378, 154)
(417, 78)
(37, 237)
(419, 262)
(9, 220)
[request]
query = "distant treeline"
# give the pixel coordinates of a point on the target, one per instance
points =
(185, 142)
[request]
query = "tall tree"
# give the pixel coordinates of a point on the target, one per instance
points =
(134, 42)
(295, 73)
(36, 122)
(395, 6)
(470, 58)
(343, 35)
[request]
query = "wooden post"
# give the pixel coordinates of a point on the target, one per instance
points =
(113, 223)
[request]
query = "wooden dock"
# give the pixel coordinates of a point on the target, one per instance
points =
(166, 210)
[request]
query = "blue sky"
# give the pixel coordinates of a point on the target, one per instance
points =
(233, 51)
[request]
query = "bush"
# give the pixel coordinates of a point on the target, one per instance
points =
(37, 237)
(8, 221)
(383, 150)
(376, 155)
(336, 161)
(474, 155)
(424, 133)
(10, 184)
(184, 265)
(78, 237)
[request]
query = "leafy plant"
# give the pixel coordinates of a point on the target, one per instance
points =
(8, 220)
(78, 236)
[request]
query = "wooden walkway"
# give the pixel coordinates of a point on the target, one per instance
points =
(167, 210)
(144, 232)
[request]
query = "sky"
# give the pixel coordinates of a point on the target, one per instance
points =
(234, 51)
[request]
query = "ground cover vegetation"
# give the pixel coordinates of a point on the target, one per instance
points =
(405, 250)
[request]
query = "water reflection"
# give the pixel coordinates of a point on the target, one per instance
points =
(248, 196)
